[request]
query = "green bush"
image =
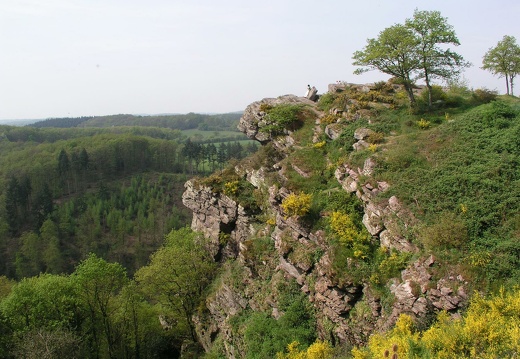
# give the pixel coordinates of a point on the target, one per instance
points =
(283, 117)
(483, 95)
(264, 336)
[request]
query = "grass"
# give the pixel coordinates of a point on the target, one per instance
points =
(463, 171)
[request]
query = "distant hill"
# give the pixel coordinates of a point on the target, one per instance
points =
(17, 122)
(205, 122)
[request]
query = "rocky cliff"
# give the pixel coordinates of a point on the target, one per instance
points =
(296, 248)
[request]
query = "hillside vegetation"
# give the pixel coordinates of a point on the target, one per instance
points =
(454, 167)
(284, 258)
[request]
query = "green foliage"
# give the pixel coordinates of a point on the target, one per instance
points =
(43, 302)
(448, 231)
(98, 282)
(177, 276)
(265, 336)
(504, 60)
(390, 266)
(281, 118)
(394, 53)
(433, 30)
(412, 51)
(461, 179)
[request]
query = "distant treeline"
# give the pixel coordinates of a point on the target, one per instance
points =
(219, 122)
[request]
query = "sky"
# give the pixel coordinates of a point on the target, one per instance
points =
(71, 58)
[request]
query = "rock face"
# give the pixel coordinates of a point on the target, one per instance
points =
(219, 217)
(385, 219)
(254, 118)
(346, 311)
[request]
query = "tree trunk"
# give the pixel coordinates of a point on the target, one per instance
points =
(429, 86)
(507, 84)
(409, 91)
(511, 78)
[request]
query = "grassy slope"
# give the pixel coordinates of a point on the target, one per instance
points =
(462, 178)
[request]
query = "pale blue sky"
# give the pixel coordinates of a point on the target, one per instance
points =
(98, 57)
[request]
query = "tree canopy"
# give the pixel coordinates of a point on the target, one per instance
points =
(503, 60)
(412, 51)
(394, 53)
(433, 30)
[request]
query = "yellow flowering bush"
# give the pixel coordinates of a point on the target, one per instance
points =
(423, 124)
(297, 204)
(489, 329)
(318, 350)
(231, 188)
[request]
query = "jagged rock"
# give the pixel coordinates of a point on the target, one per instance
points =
(369, 166)
(337, 87)
(312, 93)
(362, 133)
(300, 171)
(443, 297)
(288, 268)
(387, 220)
(334, 130)
(253, 118)
(360, 145)
(221, 306)
(419, 273)
(214, 215)
(382, 218)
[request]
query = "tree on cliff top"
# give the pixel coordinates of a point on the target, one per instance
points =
(504, 60)
(394, 52)
(432, 30)
(411, 51)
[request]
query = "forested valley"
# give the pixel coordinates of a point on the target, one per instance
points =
(111, 191)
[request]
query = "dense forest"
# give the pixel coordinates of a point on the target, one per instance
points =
(111, 191)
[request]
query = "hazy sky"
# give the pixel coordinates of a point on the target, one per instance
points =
(98, 57)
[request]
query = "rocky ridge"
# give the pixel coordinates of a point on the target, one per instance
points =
(346, 312)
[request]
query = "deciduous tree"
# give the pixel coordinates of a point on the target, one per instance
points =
(503, 60)
(98, 283)
(393, 52)
(433, 30)
(177, 276)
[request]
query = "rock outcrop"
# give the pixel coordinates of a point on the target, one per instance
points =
(255, 118)
(219, 217)
(353, 309)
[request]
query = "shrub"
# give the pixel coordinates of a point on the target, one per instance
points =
(231, 188)
(319, 145)
(265, 107)
(330, 118)
(375, 137)
(318, 350)
(297, 204)
(483, 95)
(346, 231)
(448, 232)
(489, 329)
(326, 101)
(282, 117)
(423, 124)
